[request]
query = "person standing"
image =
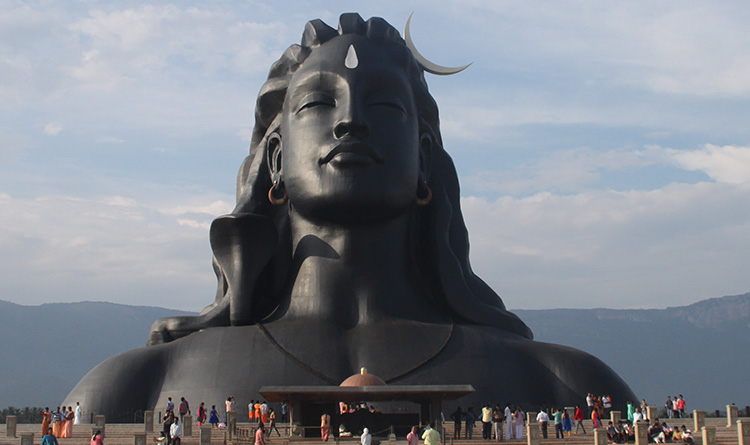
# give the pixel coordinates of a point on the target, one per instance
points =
(668, 406)
(430, 435)
(285, 411)
(543, 420)
(184, 408)
(457, 418)
(470, 419)
(590, 402)
(68, 424)
(487, 422)
(264, 412)
(412, 438)
(681, 406)
(167, 425)
(175, 432)
(57, 422)
(631, 411)
(497, 422)
(78, 414)
(170, 404)
(213, 418)
(251, 411)
(325, 426)
(595, 419)
(520, 420)
(557, 416)
(201, 414)
(508, 422)
(49, 438)
(229, 406)
(366, 438)
(46, 419)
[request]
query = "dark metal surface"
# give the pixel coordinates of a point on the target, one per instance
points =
(362, 259)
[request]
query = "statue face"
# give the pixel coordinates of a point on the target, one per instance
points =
(350, 133)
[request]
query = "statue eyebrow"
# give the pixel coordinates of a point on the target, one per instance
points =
(324, 82)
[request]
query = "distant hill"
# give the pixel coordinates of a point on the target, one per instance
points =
(46, 349)
(701, 351)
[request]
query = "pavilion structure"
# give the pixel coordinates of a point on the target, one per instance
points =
(369, 388)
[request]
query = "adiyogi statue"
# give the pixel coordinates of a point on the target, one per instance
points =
(346, 249)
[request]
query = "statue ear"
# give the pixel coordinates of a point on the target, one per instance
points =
(273, 155)
(425, 153)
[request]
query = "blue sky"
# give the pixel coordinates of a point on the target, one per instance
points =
(603, 147)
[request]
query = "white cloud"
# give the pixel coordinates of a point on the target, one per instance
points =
(561, 171)
(729, 163)
(670, 246)
(52, 128)
(110, 140)
(58, 248)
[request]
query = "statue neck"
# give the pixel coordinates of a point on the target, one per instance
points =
(354, 275)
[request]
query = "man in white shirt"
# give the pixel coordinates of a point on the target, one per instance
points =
(487, 422)
(637, 416)
(366, 438)
(175, 432)
(543, 420)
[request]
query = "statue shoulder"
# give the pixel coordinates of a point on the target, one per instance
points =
(127, 379)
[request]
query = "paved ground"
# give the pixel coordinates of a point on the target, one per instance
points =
(123, 434)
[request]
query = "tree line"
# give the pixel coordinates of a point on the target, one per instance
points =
(23, 415)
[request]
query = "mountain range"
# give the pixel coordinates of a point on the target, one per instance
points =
(700, 350)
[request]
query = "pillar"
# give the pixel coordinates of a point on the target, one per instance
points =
(652, 412)
(615, 417)
(148, 421)
(699, 420)
(99, 422)
(743, 432)
(571, 410)
(27, 438)
(10, 426)
(187, 425)
(206, 435)
(435, 414)
(231, 422)
(532, 430)
(731, 415)
(139, 439)
(641, 433)
(600, 436)
(709, 435)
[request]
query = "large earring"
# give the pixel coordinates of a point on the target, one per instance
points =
(273, 192)
(424, 194)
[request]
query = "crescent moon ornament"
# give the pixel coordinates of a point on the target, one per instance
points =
(428, 66)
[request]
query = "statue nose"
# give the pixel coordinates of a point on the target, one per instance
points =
(352, 128)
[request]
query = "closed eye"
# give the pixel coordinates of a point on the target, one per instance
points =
(316, 99)
(388, 101)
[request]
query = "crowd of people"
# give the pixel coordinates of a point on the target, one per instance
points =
(61, 421)
(495, 422)
(658, 432)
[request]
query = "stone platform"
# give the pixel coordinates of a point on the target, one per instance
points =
(125, 434)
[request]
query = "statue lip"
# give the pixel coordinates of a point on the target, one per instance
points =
(352, 152)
